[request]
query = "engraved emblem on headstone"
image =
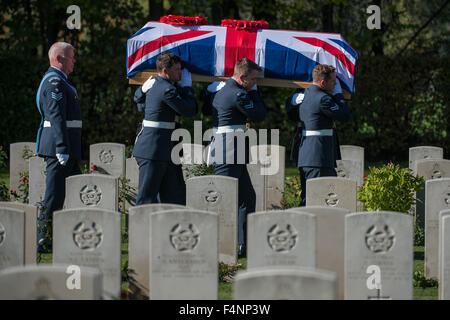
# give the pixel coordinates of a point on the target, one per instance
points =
(332, 199)
(380, 239)
(341, 171)
(106, 157)
(184, 238)
(211, 195)
(90, 195)
(282, 239)
(435, 172)
(87, 236)
(2, 234)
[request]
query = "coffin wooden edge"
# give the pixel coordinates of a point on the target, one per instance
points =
(141, 77)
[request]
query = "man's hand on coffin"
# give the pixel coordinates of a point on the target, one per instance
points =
(148, 84)
(186, 80)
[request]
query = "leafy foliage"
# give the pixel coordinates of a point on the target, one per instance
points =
(227, 271)
(422, 282)
(389, 188)
(292, 193)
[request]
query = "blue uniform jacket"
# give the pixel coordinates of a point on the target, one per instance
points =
(59, 103)
(317, 112)
(163, 101)
(235, 106)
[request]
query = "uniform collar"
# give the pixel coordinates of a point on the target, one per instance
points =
(60, 71)
(236, 83)
(163, 78)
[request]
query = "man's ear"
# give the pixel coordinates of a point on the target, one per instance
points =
(241, 78)
(322, 83)
(59, 58)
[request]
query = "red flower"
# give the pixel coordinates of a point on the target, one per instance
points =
(365, 177)
(94, 167)
(24, 180)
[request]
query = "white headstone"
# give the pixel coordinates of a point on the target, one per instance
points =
(90, 237)
(50, 282)
(108, 157)
(38, 172)
(379, 256)
(437, 198)
(350, 169)
(267, 175)
(424, 152)
(218, 194)
(444, 255)
(184, 255)
(139, 247)
(19, 153)
(352, 164)
(92, 191)
(354, 153)
(429, 169)
(333, 192)
(31, 213)
(284, 283)
(281, 238)
(12, 237)
(330, 237)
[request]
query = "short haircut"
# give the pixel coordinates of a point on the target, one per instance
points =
(166, 60)
(244, 67)
(322, 72)
(58, 48)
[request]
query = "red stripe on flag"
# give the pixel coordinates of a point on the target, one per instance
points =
(160, 42)
(331, 49)
(239, 44)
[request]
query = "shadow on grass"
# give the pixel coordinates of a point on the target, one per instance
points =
(419, 255)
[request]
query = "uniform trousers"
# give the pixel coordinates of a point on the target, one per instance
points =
(246, 196)
(163, 177)
(307, 173)
(55, 193)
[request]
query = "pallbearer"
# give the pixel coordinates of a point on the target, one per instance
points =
(236, 103)
(163, 101)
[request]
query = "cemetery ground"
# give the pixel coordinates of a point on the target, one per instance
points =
(423, 289)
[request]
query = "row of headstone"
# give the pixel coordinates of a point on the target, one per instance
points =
(89, 237)
(370, 254)
(267, 173)
(367, 255)
(109, 158)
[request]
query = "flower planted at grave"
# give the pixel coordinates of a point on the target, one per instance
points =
(389, 188)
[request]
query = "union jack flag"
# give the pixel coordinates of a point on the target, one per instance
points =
(213, 50)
